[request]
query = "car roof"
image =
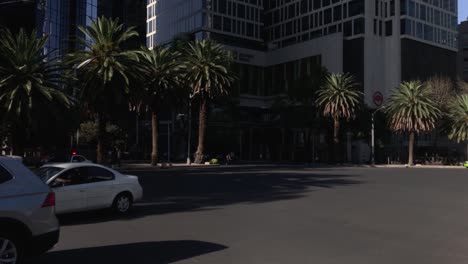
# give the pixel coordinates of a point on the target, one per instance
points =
(8, 158)
(24, 180)
(70, 165)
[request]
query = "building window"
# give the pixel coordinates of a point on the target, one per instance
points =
(317, 4)
(327, 16)
(419, 30)
(428, 33)
(376, 8)
(359, 26)
(388, 28)
(305, 23)
(411, 9)
(356, 7)
(380, 27)
(337, 13)
(375, 26)
(392, 7)
(405, 27)
(348, 29)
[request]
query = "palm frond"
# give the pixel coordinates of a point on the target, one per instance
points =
(29, 78)
(458, 116)
(339, 97)
(208, 68)
(104, 67)
(411, 109)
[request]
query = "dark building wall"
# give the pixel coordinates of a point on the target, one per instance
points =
(130, 12)
(462, 62)
(353, 58)
(422, 61)
(18, 15)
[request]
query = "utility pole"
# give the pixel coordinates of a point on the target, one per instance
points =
(372, 141)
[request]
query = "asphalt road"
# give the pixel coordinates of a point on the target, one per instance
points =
(267, 215)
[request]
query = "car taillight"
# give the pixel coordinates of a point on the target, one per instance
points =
(50, 200)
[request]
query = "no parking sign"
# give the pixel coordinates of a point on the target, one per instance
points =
(378, 98)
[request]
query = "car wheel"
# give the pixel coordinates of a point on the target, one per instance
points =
(10, 249)
(122, 203)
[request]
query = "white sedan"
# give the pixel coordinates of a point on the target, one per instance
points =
(86, 186)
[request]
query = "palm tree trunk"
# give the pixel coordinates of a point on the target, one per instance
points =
(17, 146)
(101, 135)
(17, 141)
(336, 139)
(411, 149)
(154, 134)
(200, 154)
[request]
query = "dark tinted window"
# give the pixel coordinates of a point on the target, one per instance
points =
(96, 174)
(5, 175)
(45, 173)
(70, 177)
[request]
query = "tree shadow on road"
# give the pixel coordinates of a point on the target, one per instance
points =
(195, 190)
(141, 253)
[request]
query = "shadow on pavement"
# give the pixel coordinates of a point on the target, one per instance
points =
(141, 253)
(209, 189)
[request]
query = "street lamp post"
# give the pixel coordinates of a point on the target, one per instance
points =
(189, 139)
(373, 134)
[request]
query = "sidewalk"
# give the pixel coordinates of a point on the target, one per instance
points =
(147, 166)
(420, 166)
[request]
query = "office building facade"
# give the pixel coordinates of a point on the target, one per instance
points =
(462, 62)
(382, 42)
(277, 42)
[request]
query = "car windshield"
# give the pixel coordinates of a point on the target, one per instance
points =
(45, 173)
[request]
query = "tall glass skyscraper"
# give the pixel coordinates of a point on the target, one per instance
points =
(57, 19)
(61, 20)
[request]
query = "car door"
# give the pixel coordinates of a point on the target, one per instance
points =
(69, 191)
(100, 187)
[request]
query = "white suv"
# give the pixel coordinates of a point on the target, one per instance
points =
(28, 225)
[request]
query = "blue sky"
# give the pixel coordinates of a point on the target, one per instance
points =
(462, 10)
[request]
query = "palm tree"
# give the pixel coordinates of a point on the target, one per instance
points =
(458, 116)
(340, 99)
(411, 109)
(104, 69)
(209, 74)
(30, 83)
(161, 71)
